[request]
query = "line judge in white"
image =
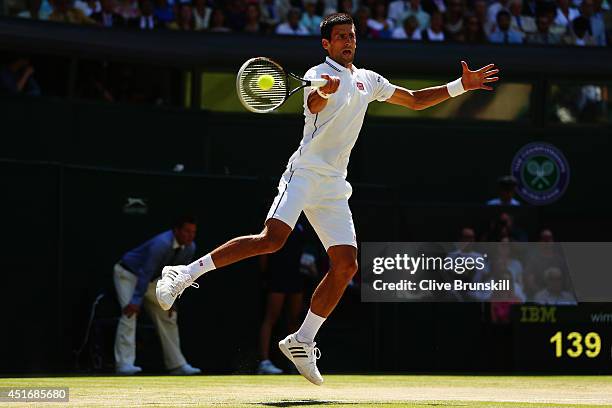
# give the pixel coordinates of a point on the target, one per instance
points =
(315, 180)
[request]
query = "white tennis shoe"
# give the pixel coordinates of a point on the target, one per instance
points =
(173, 282)
(304, 356)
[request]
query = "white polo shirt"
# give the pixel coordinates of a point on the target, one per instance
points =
(329, 136)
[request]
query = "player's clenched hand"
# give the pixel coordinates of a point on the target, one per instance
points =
(131, 309)
(480, 78)
(333, 83)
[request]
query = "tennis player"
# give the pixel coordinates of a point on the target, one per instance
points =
(315, 181)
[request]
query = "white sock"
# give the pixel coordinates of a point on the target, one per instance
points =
(200, 266)
(309, 328)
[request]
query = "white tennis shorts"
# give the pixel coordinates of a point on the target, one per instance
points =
(323, 199)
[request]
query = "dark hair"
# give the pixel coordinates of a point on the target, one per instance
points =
(332, 20)
(184, 219)
(502, 13)
(581, 24)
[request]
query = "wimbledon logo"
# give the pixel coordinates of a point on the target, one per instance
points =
(542, 173)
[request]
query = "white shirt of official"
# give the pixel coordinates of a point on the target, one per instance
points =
(329, 136)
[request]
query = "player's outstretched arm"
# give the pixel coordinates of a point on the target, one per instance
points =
(424, 98)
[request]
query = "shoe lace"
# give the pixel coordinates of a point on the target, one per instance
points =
(179, 282)
(316, 353)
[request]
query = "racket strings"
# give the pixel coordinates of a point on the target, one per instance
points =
(252, 95)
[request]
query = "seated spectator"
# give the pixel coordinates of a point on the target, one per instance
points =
(217, 22)
(408, 31)
(435, 32)
(293, 25)
(597, 26)
(235, 14)
(480, 11)
(473, 32)
(502, 301)
(127, 9)
(88, 7)
(503, 34)
(310, 19)
(502, 226)
(565, 15)
(184, 19)
(454, 20)
(546, 254)
(35, 10)
(347, 6)
(380, 26)
(546, 235)
(331, 7)
(270, 13)
(465, 249)
(397, 8)
(327, 7)
(506, 190)
(429, 6)
(415, 10)
(492, 12)
(107, 17)
(17, 78)
(64, 12)
(554, 294)
(163, 11)
(201, 15)
(147, 20)
(601, 20)
(361, 18)
(543, 35)
(579, 34)
(253, 20)
(530, 8)
(520, 22)
(506, 261)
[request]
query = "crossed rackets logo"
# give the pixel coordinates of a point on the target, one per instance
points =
(542, 172)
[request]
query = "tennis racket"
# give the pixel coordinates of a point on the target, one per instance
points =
(259, 100)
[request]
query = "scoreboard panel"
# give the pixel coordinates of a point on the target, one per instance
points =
(563, 339)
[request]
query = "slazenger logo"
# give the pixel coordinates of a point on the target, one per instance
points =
(542, 172)
(360, 86)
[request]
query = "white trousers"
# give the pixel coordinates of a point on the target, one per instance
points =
(125, 340)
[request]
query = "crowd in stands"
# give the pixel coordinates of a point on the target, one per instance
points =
(550, 22)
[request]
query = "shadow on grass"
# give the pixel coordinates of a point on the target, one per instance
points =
(303, 403)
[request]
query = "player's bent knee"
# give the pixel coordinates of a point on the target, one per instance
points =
(273, 237)
(345, 270)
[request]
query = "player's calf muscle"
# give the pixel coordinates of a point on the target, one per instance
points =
(246, 247)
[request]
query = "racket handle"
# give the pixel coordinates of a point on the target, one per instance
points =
(318, 82)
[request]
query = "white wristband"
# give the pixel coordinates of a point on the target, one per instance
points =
(455, 88)
(322, 94)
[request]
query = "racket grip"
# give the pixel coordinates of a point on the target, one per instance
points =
(318, 82)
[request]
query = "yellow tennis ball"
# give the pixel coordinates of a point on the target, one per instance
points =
(265, 82)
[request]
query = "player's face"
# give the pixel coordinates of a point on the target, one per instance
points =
(341, 47)
(186, 234)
